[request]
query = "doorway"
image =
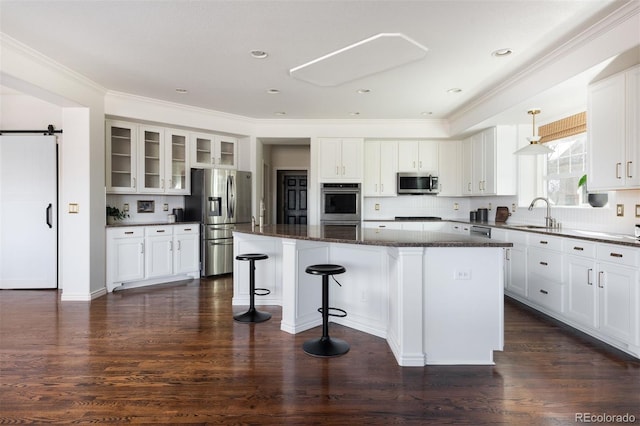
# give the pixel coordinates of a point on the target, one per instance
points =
(292, 197)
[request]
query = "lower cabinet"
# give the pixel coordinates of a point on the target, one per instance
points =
(589, 285)
(145, 255)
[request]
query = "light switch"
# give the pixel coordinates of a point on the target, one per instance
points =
(74, 208)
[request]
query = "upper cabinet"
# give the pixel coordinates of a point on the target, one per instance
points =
(488, 163)
(380, 168)
(177, 164)
(340, 159)
(121, 157)
(449, 178)
(151, 176)
(418, 156)
(613, 129)
(209, 151)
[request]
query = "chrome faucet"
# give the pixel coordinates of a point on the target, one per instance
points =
(549, 221)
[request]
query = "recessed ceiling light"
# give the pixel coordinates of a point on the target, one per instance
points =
(179, 90)
(363, 91)
(454, 90)
(259, 54)
(280, 113)
(273, 91)
(500, 53)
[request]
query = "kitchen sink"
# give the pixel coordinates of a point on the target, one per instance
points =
(530, 226)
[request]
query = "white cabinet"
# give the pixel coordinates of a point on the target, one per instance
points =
(581, 291)
(146, 159)
(418, 156)
(618, 292)
(380, 168)
(177, 164)
(186, 248)
(152, 155)
(158, 259)
(121, 157)
(449, 177)
(488, 163)
(208, 150)
(145, 255)
(545, 272)
(515, 280)
(340, 159)
(613, 130)
(125, 255)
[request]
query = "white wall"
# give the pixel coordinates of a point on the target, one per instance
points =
(81, 154)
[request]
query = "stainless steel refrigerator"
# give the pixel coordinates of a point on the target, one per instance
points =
(219, 200)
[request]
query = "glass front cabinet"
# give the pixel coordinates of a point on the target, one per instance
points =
(121, 157)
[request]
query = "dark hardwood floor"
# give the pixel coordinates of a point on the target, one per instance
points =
(172, 354)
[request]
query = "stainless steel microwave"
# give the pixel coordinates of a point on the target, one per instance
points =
(417, 183)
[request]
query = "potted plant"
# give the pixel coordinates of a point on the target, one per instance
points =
(114, 214)
(594, 199)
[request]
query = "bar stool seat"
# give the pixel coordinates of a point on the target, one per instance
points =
(326, 346)
(253, 315)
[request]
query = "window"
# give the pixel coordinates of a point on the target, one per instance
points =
(564, 168)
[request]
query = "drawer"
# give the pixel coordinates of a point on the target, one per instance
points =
(158, 230)
(546, 293)
(545, 241)
(545, 263)
(193, 228)
(126, 232)
(580, 248)
(620, 255)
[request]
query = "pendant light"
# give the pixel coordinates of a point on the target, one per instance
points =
(534, 147)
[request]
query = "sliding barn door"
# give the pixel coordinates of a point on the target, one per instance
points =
(28, 212)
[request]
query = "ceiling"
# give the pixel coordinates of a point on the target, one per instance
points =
(152, 48)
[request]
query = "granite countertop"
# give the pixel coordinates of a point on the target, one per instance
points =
(596, 236)
(125, 224)
(375, 237)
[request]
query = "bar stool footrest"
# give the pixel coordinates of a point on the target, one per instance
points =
(342, 313)
(261, 291)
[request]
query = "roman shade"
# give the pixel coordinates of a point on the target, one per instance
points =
(563, 128)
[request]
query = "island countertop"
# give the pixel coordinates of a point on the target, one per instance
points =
(376, 237)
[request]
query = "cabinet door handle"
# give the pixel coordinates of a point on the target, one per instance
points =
(469, 187)
(414, 164)
(506, 254)
(375, 187)
(544, 242)
(337, 170)
(128, 232)
(589, 279)
(142, 248)
(578, 248)
(615, 254)
(134, 182)
(544, 263)
(187, 229)
(544, 291)
(420, 166)
(629, 163)
(600, 274)
(159, 230)
(179, 246)
(343, 170)
(618, 170)
(170, 245)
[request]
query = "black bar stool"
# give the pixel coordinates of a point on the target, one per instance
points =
(325, 346)
(252, 315)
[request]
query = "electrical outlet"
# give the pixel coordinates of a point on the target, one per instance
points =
(125, 207)
(377, 206)
(165, 207)
(489, 206)
(620, 209)
(513, 207)
(462, 274)
(456, 206)
(74, 208)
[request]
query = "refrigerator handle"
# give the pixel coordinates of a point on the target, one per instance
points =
(48, 211)
(230, 197)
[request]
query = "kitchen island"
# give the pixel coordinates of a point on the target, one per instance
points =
(436, 297)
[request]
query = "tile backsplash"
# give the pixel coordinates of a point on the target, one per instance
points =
(587, 218)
